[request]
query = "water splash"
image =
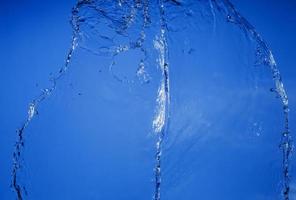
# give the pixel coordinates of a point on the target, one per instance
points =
(121, 17)
(20, 189)
(265, 57)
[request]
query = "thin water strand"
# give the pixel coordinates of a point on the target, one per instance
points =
(161, 120)
(19, 189)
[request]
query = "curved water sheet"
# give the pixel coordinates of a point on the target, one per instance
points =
(158, 100)
(92, 137)
(228, 121)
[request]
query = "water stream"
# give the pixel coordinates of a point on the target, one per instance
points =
(201, 81)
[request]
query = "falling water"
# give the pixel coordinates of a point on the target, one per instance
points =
(160, 121)
(19, 189)
(112, 29)
(265, 57)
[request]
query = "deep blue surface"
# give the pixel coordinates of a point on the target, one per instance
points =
(35, 38)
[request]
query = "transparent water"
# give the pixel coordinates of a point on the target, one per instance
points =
(158, 100)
